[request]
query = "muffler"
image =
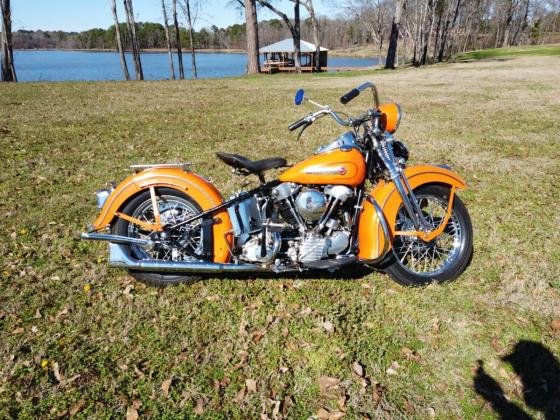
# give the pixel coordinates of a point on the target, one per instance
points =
(119, 257)
(117, 239)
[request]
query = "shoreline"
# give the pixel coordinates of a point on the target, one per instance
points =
(357, 52)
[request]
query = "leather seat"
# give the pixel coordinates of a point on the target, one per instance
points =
(243, 164)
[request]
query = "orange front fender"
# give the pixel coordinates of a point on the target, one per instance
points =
(372, 240)
(200, 190)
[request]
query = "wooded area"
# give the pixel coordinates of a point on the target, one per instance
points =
(424, 30)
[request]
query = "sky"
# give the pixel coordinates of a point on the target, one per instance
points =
(80, 15)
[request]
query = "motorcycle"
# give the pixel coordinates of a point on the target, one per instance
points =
(355, 201)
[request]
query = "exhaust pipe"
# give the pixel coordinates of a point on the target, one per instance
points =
(119, 257)
(117, 239)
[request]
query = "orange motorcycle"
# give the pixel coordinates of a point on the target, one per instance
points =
(354, 202)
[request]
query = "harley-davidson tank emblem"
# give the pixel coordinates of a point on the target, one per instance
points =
(340, 170)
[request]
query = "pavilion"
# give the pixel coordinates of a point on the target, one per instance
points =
(280, 56)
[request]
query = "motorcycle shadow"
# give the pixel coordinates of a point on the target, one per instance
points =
(349, 272)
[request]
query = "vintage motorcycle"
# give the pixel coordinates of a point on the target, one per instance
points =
(354, 202)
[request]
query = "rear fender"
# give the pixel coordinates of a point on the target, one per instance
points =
(372, 240)
(200, 190)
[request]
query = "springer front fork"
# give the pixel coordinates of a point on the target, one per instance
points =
(385, 151)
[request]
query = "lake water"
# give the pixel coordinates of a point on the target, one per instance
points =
(33, 66)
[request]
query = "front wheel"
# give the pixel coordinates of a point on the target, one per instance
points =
(415, 262)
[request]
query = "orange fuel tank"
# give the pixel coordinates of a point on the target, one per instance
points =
(344, 166)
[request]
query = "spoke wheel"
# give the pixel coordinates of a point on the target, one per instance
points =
(181, 244)
(415, 262)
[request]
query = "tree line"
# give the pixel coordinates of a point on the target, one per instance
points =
(403, 31)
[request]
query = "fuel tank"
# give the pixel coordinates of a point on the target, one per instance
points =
(343, 166)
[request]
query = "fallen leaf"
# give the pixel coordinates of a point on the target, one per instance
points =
(19, 330)
(328, 384)
(431, 412)
(328, 326)
(38, 314)
(165, 386)
(358, 369)
(392, 370)
(242, 328)
(240, 395)
(555, 325)
(123, 367)
(61, 313)
(323, 414)
(251, 385)
(410, 354)
(305, 311)
(131, 413)
(77, 406)
(257, 335)
(87, 288)
(199, 408)
(377, 392)
(341, 403)
(56, 372)
(441, 387)
(335, 415)
(408, 407)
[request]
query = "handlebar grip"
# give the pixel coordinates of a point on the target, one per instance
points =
(347, 97)
(298, 124)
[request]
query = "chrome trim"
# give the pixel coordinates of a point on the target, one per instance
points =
(101, 196)
(117, 239)
(119, 257)
(140, 167)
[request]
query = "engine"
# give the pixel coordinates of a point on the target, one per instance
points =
(320, 218)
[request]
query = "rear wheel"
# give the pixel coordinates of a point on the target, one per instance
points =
(181, 244)
(416, 262)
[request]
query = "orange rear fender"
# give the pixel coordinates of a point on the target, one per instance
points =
(372, 242)
(196, 187)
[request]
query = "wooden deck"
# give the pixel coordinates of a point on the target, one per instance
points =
(291, 69)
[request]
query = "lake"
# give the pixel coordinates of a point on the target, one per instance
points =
(34, 66)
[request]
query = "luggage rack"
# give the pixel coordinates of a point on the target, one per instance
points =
(140, 167)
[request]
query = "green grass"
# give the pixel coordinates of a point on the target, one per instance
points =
(116, 342)
(509, 52)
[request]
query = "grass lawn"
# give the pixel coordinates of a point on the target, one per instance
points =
(510, 52)
(81, 339)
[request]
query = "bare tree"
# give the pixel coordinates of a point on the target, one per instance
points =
(8, 68)
(308, 4)
(167, 39)
(186, 6)
(252, 34)
(293, 27)
(131, 24)
(178, 41)
(394, 38)
(119, 40)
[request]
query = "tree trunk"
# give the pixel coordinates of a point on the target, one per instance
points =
(445, 32)
(394, 38)
(507, 26)
(297, 37)
(252, 31)
(119, 40)
(522, 25)
(178, 41)
(187, 10)
(168, 40)
(133, 39)
(428, 32)
(315, 26)
(8, 68)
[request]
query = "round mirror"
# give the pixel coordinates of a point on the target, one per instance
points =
(298, 99)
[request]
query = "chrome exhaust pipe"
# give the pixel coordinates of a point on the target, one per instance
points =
(117, 239)
(119, 257)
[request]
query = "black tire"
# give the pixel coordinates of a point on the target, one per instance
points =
(459, 228)
(122, 227)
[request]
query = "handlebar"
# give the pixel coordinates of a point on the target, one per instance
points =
(347, 97)
(299, 123)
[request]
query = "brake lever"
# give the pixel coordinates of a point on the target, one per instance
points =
(303, 129)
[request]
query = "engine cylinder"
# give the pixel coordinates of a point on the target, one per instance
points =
(311, 204)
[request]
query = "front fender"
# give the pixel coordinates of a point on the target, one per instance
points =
(372, 241)
(200, 190)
